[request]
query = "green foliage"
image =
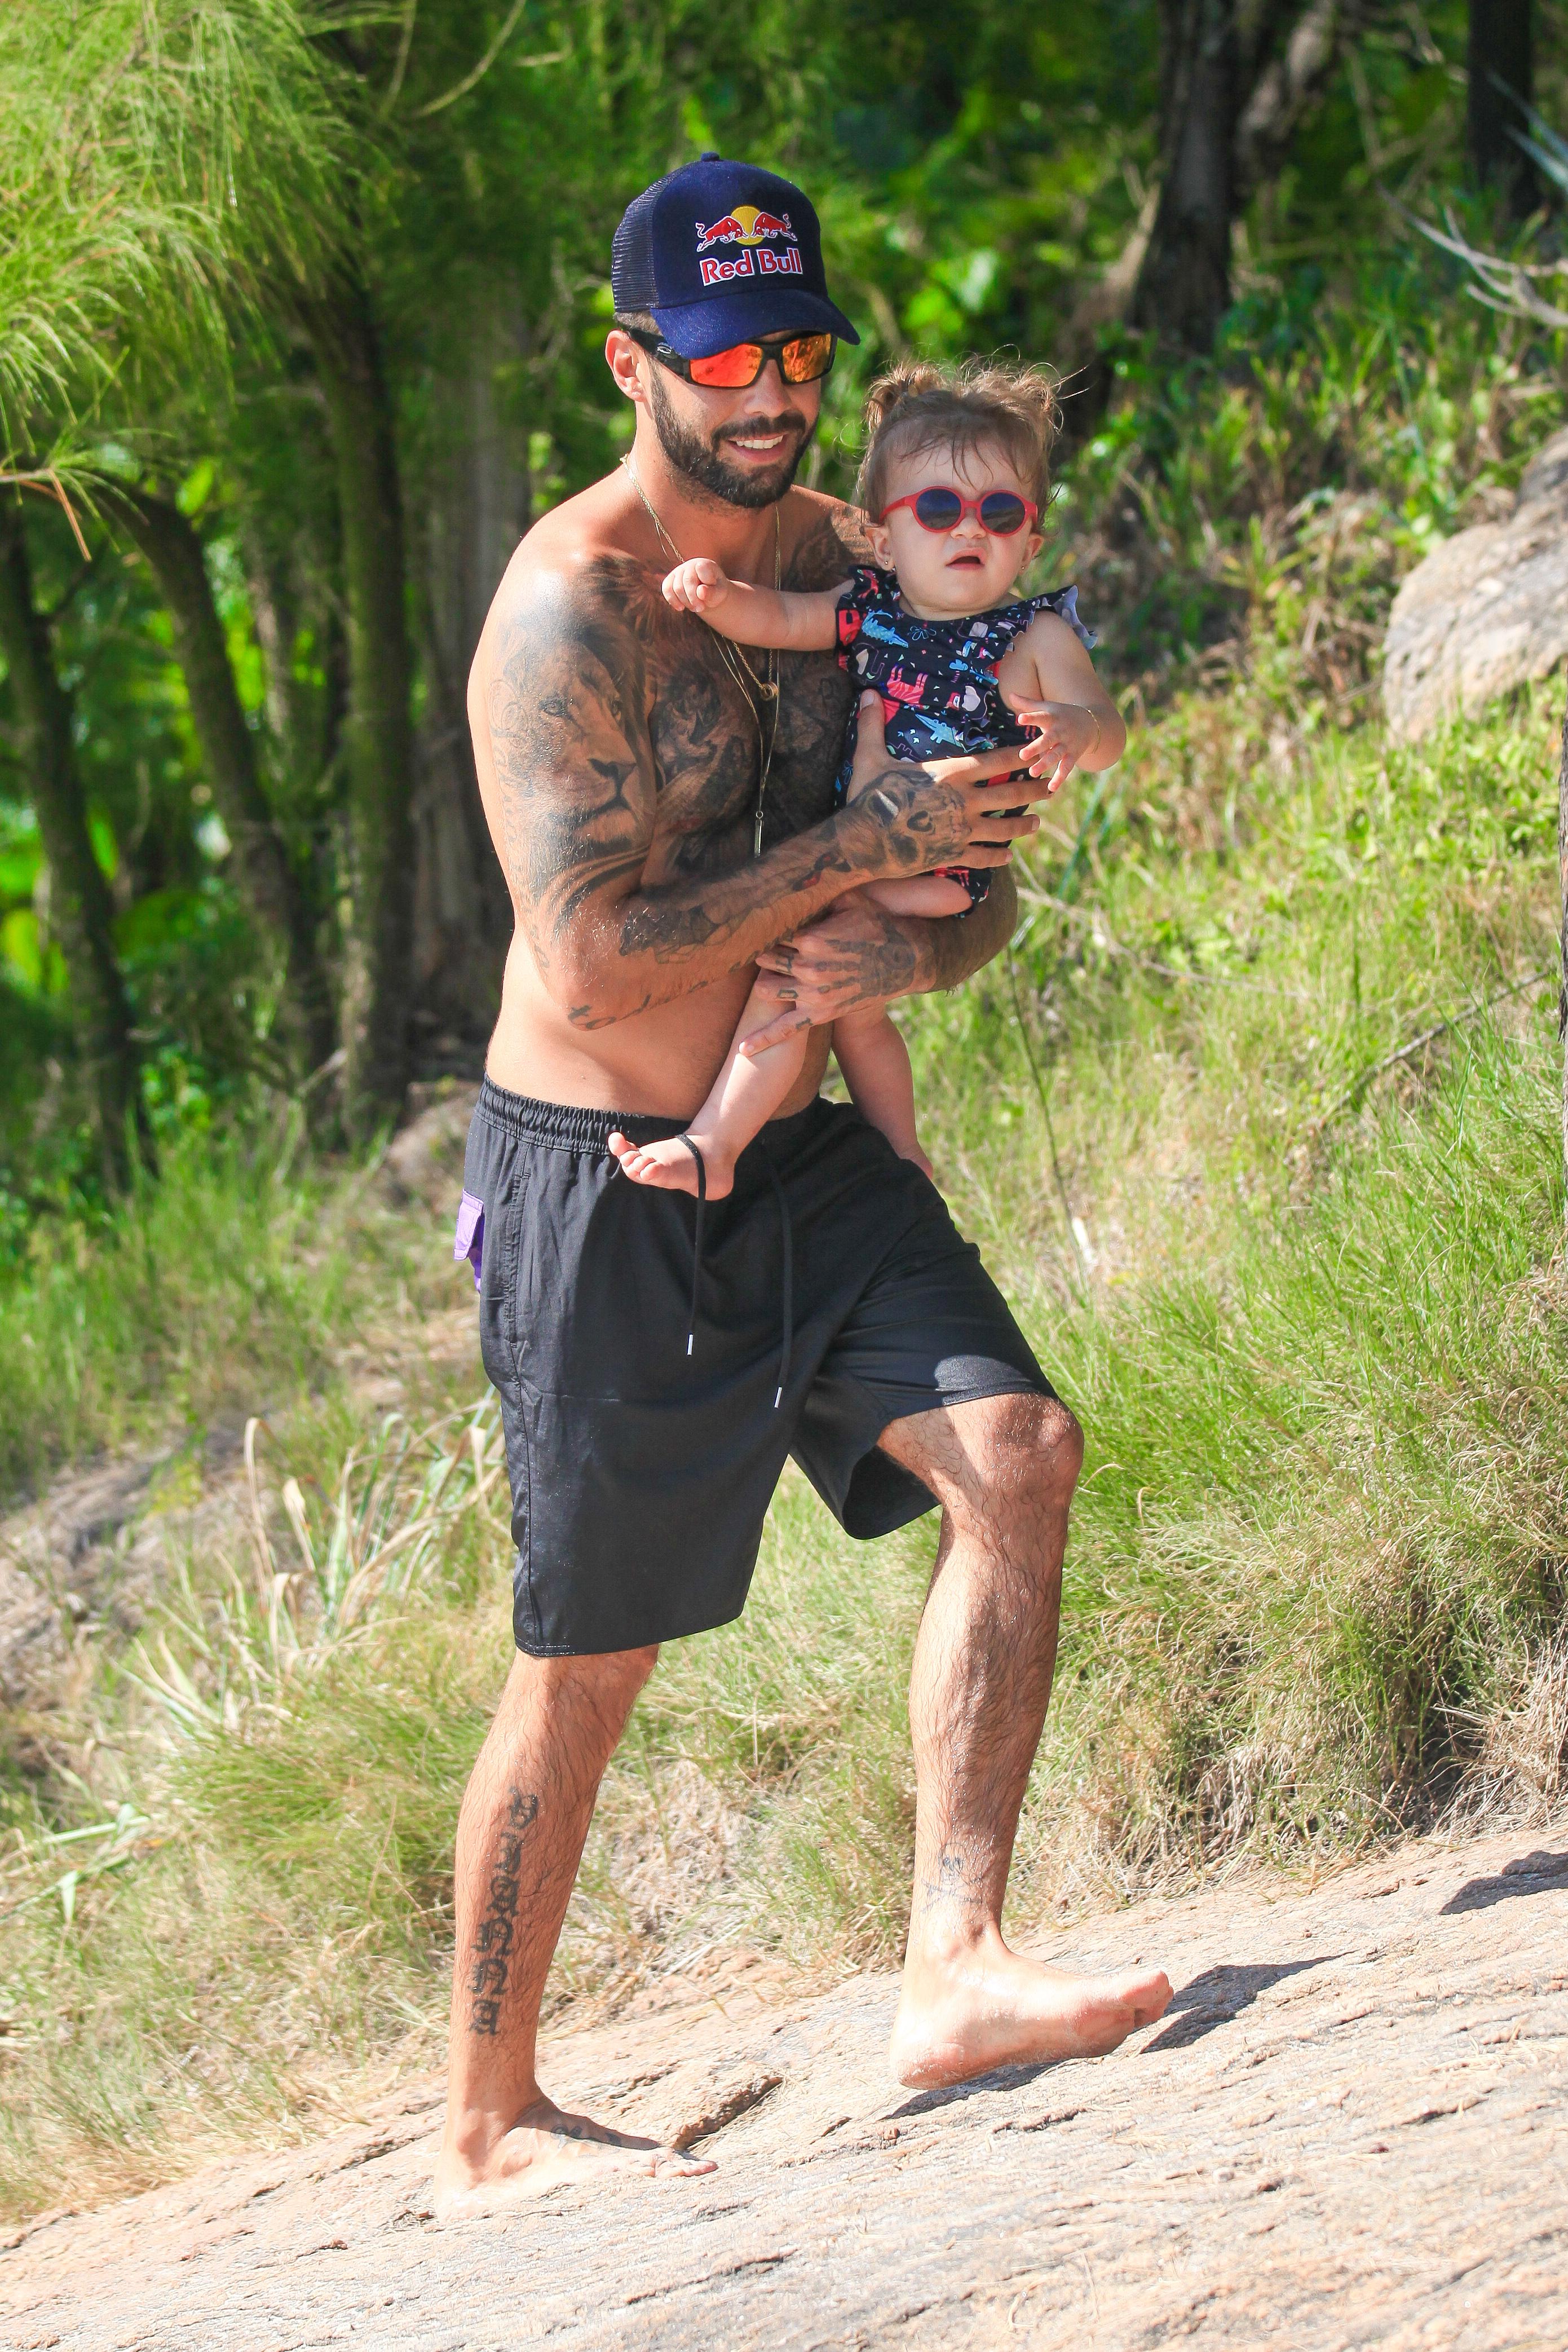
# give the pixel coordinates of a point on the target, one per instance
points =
(146, 152)
(1273, 500)
(207, 1289)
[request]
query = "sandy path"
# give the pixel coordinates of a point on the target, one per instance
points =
(1351, 2129)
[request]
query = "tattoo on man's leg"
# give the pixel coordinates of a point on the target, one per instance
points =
(493, 1937)
(950, 1886)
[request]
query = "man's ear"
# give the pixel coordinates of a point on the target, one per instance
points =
(625, 360)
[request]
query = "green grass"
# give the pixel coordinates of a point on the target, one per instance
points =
(1317, 1559)
(234, 1284)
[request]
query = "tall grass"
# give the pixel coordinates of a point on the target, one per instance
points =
(235, 1283)
(1284, 1052)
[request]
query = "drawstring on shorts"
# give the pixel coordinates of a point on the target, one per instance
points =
(787, 1247)
(786, 1242)
(698, 1237)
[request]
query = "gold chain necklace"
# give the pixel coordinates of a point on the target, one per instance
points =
(734, 660)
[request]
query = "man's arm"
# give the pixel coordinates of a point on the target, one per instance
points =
(956, 950)
(859, 953)
(559, 692)
(560, 697)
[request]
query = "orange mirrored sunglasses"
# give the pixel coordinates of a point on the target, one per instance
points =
(802, 359)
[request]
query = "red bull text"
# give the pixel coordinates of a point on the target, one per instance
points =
(761, 263)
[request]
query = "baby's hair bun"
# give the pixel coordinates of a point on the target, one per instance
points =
(896, 389)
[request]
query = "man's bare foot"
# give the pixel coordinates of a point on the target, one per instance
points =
(543, 2148)
(984, 2006)
(671, 1166)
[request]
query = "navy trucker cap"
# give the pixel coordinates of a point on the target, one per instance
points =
(720, 253)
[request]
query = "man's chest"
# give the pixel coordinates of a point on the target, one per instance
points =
(721, 749)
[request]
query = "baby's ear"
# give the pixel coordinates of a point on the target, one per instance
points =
(880, 540)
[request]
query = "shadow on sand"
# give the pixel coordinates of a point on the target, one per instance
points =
(1529, 1874)
(1218, 1995)
(1210, 2000)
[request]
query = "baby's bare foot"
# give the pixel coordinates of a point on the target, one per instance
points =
(670, 1165)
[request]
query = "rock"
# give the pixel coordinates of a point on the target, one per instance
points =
(1347, 2131)
(702, 2098)
(424, 1161)
(58, 1559)
(85, 1561)
(1486, 610)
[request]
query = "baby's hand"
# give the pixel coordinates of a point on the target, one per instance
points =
(697, 586)
(1065, 731)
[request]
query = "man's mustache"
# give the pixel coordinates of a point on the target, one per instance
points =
(791, 422)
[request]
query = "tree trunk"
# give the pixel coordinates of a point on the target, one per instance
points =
(1237, 78)
(1286, 82)
(477, 508)
(1184, 284)
(1500, 52)
(266, 879)
(80, 910)
(379, 733)
(1563, 937)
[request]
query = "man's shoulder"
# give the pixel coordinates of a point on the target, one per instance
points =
(569, 585)
(569, 562)
(824, 540)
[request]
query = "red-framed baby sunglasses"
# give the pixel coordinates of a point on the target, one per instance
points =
(802, 359)
(1000, 511)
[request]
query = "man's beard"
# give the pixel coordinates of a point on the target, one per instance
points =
(702, 461)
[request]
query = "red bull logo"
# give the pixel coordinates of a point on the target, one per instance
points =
(756, 233)
(764, 262)
(745, 226)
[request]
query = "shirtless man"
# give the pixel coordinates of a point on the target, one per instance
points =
(663, 833)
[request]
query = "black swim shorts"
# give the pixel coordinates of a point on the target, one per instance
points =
(651, 1390)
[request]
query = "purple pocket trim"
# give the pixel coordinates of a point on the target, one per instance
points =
(469, 1239)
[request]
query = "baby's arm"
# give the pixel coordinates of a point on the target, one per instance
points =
(757, 617)
(926, 894)
(1048, 680)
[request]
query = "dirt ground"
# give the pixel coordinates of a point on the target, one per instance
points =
(1351, 2128)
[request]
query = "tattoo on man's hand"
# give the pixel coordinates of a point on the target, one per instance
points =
(492, 1949)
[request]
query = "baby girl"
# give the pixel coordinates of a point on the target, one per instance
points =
(955, 479)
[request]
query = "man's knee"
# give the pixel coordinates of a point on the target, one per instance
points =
(602, 1688)
(631, 1669)
(613, 1677)
(1030, 1445)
